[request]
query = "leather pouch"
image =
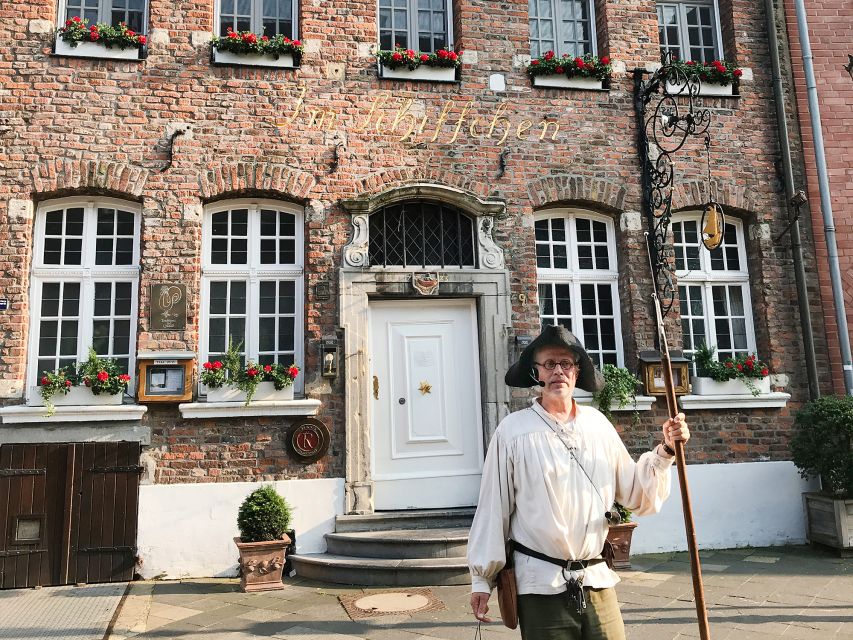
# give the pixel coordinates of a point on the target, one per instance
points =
(508, 596)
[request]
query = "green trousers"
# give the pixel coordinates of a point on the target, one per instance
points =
(553, 617)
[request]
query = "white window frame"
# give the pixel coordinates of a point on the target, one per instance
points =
(574, 276)
(706, 278)
(558, 40)
(257, 20)
(412, 26)
(683, 33)
(253, 273)
(104, 13)
(86, 274)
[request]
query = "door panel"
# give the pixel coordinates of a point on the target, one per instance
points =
(427, 434)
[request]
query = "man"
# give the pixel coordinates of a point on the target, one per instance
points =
(551, 476)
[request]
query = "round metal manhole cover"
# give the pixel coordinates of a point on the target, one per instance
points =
(392, 602)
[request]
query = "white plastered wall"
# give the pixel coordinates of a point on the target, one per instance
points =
(750, 504)
(187, 530)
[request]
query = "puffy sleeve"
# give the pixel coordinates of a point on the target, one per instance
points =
(490, 529)
(641, 486)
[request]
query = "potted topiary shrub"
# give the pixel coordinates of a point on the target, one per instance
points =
(263, 519)
(619, 535)
(821, 447)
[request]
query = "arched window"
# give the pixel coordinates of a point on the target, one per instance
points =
(578, 277)
(252, 282)
(85, 283)
(713, 288)
(422, 234)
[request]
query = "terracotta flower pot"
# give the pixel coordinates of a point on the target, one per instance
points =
(261, 564)
(620, 538)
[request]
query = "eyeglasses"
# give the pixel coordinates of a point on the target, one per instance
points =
(565, 365)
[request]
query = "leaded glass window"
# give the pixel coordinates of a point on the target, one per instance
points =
(423, 25)
(689, 30)
(562, 26)
(578, 278)
(252, 284)
(713, 289)
(112, 12)
(85, 283)
(264, 17)
(422, 234)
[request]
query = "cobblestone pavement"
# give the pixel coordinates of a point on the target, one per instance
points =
(71, 613)
(753, 594)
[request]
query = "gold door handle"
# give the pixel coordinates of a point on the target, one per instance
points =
(375, 388)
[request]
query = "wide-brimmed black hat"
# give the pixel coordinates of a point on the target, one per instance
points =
(521, 374)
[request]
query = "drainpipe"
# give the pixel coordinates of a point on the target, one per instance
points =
(825, 201)
(791, 193)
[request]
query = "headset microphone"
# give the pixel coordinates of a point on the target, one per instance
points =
(540, 383)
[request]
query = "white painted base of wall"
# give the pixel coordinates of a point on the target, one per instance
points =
(751, 504)
(187, 530)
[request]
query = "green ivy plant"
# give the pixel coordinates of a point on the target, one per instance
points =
(263, 516)
(620, 389)
(821, 444)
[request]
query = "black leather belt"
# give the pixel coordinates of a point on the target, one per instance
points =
(571, 565)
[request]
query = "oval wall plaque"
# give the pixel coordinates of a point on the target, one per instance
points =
(308, 440)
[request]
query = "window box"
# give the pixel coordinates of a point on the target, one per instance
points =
(204, 410)
(422, 74)
(736, 387)
(266, 392)
(562, 82)
(705, 89)
(97, 50)
(284, 60)
(76, 397)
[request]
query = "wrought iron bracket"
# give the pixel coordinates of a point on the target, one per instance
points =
(667, 117)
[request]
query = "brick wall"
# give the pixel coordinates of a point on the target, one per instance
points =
(100, 127)
(830, 25)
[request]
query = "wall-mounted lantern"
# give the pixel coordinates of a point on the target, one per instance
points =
(653, 372)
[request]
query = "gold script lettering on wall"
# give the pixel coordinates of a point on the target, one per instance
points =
(400, 118)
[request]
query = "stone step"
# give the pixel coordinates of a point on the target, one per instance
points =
(421, 519)
(446, 542)
(421, 572)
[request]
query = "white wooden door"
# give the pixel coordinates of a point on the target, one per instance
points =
(426, 438)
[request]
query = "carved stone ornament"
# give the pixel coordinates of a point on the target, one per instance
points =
(425, 284)
(355, 253)
(491, 256)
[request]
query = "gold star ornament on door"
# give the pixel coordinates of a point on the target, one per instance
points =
(425, 388)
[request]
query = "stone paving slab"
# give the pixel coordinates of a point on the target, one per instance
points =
(70, 613)
(802, 594)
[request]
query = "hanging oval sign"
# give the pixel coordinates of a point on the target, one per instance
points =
(308, 440)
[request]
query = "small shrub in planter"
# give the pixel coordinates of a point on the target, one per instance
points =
(821, 447)
(263, 519)
(821, 443)
(619, 535)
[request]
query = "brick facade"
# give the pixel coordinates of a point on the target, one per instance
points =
(830, 32)
(77, 126)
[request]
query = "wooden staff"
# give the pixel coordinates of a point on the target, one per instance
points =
(681, 465)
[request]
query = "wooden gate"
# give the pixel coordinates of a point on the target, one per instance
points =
(69, 513)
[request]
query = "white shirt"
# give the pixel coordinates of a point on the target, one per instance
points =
(534, 492)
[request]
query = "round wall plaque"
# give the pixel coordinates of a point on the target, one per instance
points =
(308, 440)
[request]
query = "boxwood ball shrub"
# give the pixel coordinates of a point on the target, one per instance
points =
(263, 516)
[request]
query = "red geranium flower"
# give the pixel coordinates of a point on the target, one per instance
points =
(68, 383)
(252, 372)
(605, 60)
(124, 377)
(207, 365)
(217, 365)
(296, 43)
(293, 372)
(738, 73)
(549, 55)
(267, 368)
(740, 367)
(579, 63)
(76, 18)
(765, 371)
(424, 57)
(44, 380)
(534, 62)
(103, 376)
(730, 365)
(142, 39)
(452, 55)
(397, 56)
(559, 70)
